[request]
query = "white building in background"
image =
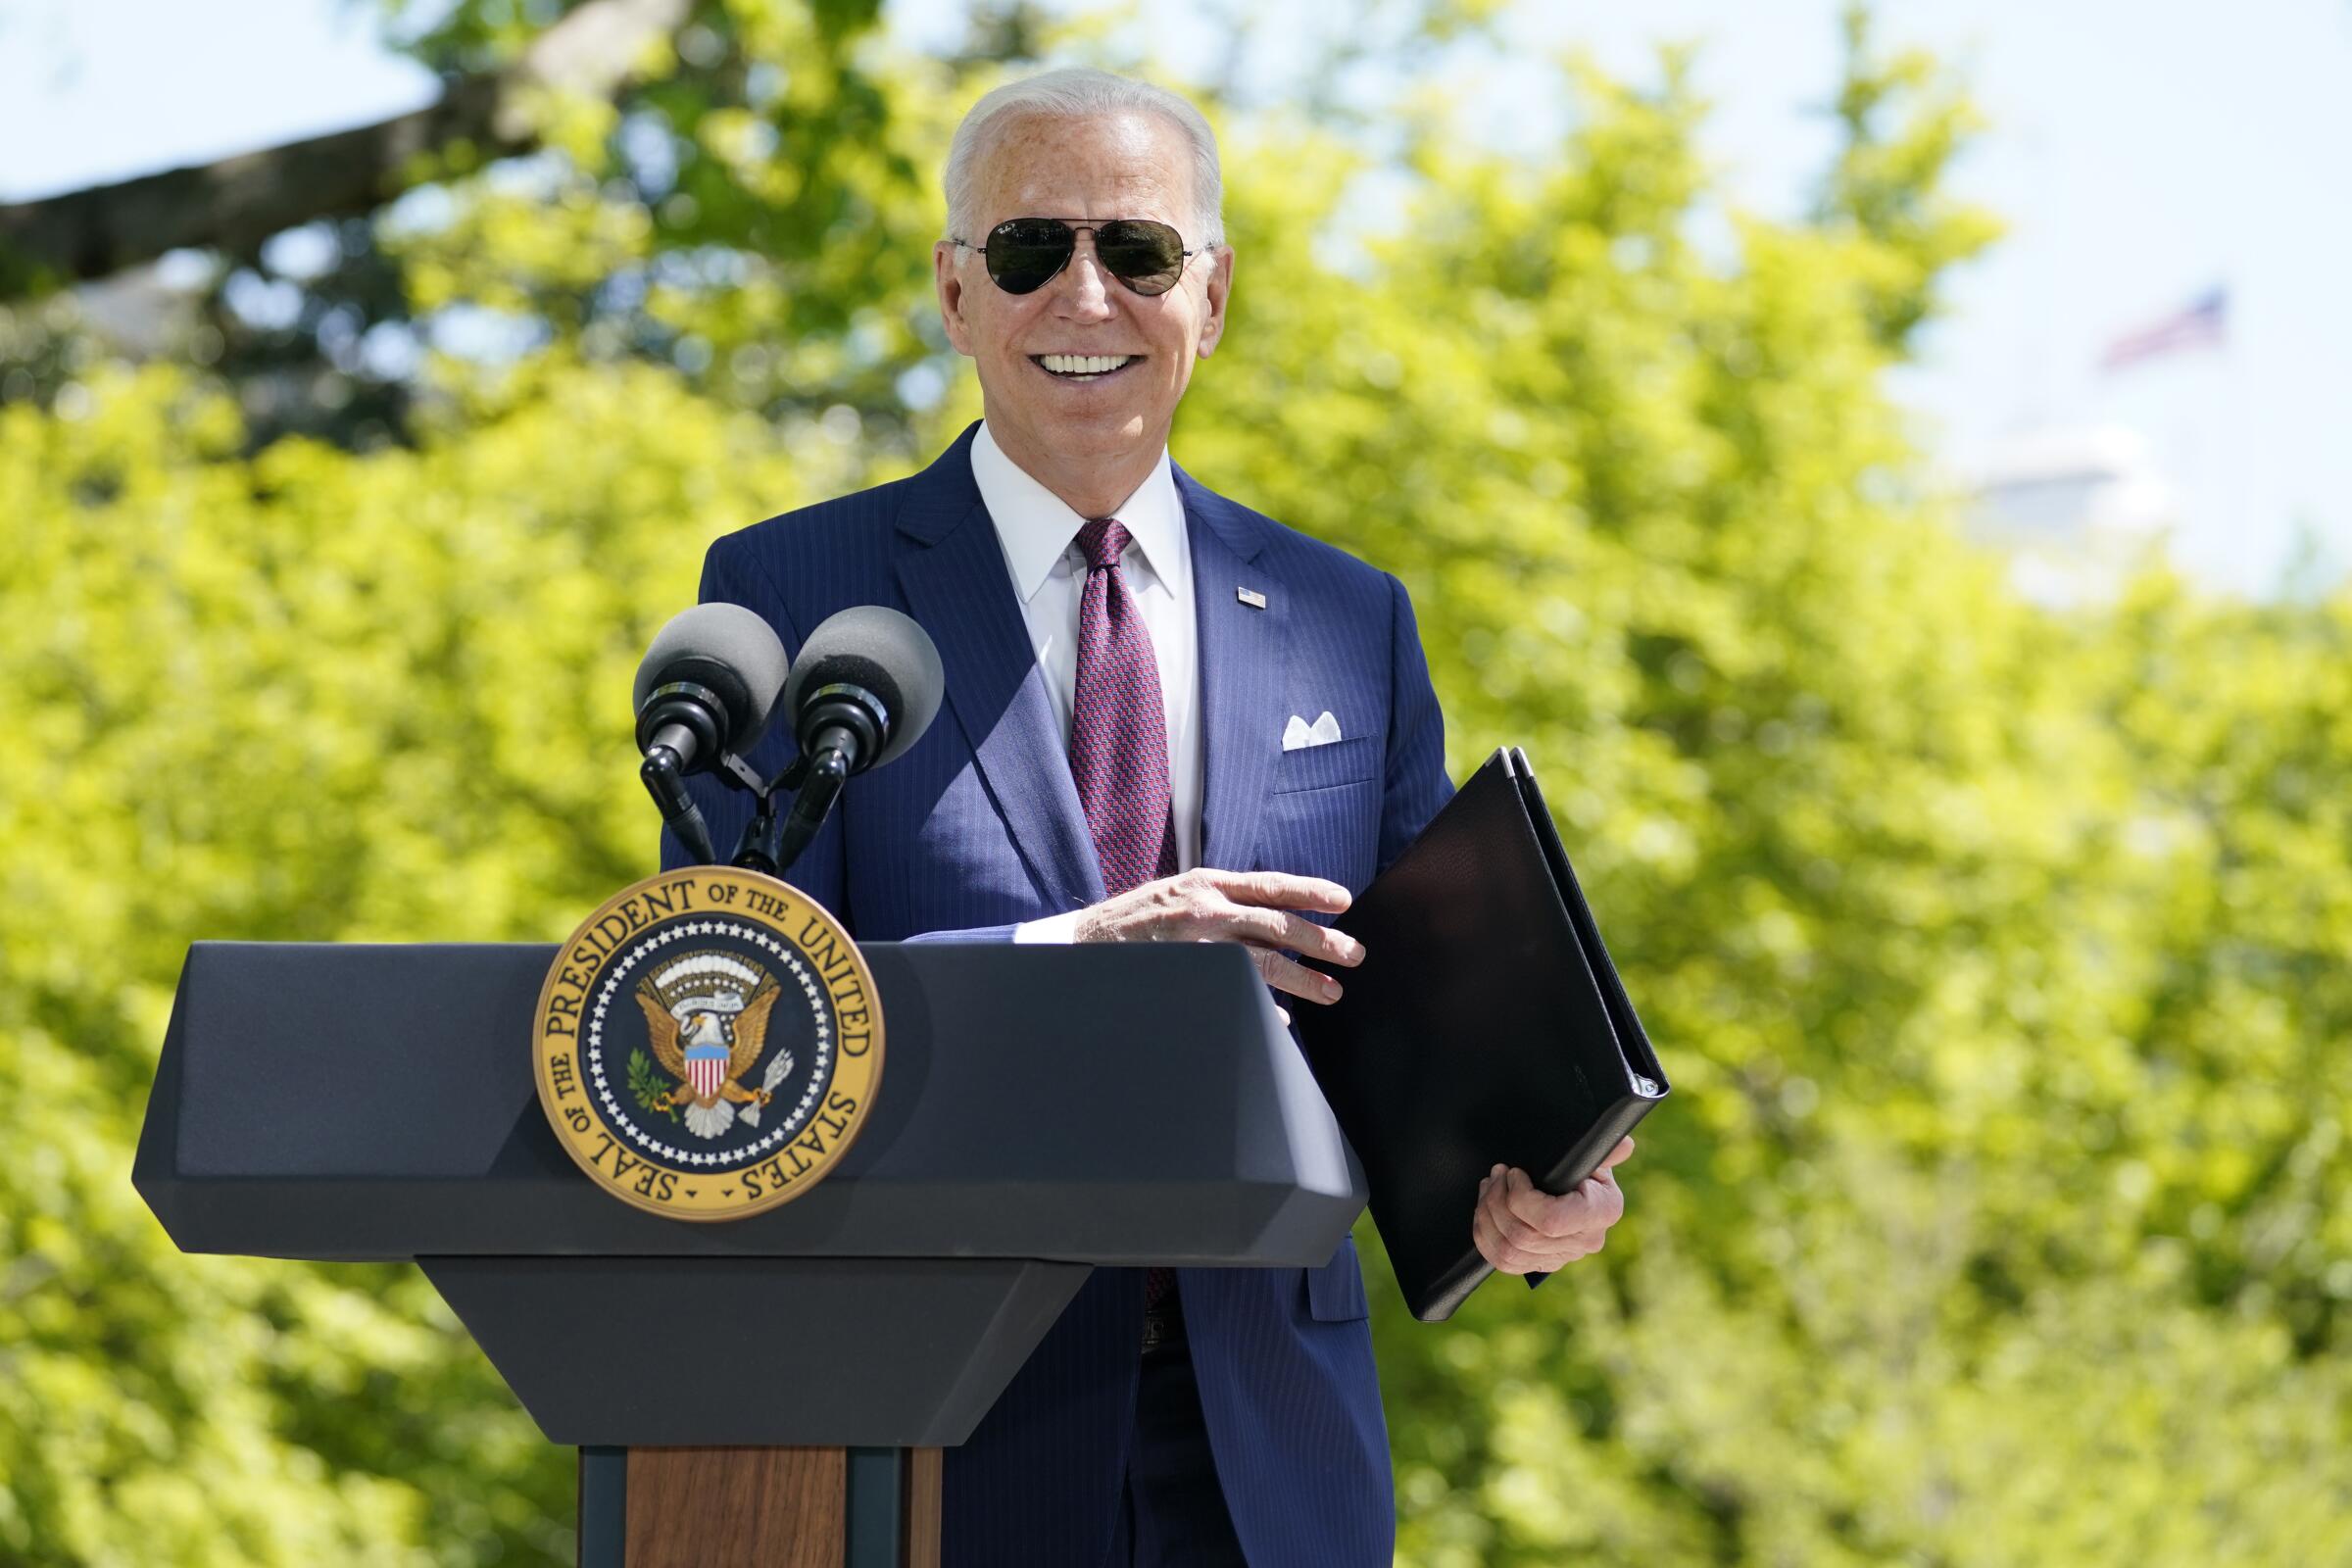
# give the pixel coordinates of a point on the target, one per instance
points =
(2077, 510)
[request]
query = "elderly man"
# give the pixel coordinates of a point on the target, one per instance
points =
(1125, 651)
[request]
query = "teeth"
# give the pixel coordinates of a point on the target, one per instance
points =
(1083, 363)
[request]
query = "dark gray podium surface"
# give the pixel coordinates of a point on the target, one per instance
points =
(1041, 1109)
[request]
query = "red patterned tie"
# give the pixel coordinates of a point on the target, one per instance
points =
(1118, 727)
(1119, 741)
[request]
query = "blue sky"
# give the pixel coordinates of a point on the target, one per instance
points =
(2141, 152)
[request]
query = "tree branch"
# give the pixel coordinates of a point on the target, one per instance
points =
(238, 202)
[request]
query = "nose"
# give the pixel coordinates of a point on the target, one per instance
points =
(1083, 287)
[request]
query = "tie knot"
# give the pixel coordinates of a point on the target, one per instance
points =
(1102, 541)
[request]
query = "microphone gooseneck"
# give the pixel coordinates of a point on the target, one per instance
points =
(665, 776)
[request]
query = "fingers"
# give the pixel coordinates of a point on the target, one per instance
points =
(1510, 1244)
(1618, 1156)
(1278, 890)
(1277, 928)
(1255, 908)
(1210, 905)
(1498, 1253)
(1519, 1228)
(1287, 974)
(1590, 1205)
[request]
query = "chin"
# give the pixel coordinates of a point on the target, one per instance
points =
(1105, 424)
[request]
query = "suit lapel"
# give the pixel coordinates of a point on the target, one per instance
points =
(952, 570)
(1243, 654)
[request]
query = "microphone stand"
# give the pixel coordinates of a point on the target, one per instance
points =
(667, 783)
(758, 850)
(771, 843)
(844, 725)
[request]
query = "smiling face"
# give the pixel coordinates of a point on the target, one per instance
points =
(1089, 437)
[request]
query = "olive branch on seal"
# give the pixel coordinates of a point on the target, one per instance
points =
(647, 1088)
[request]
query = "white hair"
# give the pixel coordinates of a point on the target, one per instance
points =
(1080, 92)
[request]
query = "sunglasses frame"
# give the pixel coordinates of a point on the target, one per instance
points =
(1089, 225)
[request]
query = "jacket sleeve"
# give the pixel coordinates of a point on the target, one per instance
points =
(1416, 784)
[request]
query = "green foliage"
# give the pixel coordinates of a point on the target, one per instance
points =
(1996, 956)
(1888, 183)
(757, 212)
(647, 1088)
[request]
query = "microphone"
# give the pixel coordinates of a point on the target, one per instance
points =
(867, 686)
(704, 694)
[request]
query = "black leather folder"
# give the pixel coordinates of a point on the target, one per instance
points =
(1486, 1024)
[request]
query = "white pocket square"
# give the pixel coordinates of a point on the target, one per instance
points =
(1322, 732)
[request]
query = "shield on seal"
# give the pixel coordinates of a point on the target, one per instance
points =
(706, 1069)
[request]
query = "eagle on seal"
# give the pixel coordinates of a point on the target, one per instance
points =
(706, 1045)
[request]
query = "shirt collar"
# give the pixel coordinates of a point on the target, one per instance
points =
(1035, 526)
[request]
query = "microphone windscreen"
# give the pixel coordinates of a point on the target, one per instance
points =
(727, 648)
(884, 652)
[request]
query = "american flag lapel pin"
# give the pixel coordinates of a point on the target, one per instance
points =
(1251, 597)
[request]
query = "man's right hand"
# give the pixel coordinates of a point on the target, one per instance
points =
(1251, 907)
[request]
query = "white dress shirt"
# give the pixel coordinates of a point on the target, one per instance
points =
(1039, 533)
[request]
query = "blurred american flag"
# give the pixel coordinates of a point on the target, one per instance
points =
(2202, 323)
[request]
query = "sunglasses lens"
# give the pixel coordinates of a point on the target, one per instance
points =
(1146, 256)
(1024, 253)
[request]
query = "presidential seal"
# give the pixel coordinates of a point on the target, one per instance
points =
(708, 1042)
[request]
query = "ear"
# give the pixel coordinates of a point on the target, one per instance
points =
(948, 282)
(1219, 289)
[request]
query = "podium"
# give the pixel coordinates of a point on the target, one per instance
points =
(1041, 1109)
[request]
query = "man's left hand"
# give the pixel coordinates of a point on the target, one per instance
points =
(1522, 1228)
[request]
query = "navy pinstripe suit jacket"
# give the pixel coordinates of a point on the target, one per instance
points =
(978, 827)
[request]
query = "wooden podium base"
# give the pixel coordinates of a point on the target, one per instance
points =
(758, 1508)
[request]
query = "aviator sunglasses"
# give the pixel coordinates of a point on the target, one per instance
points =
(1025, 254)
